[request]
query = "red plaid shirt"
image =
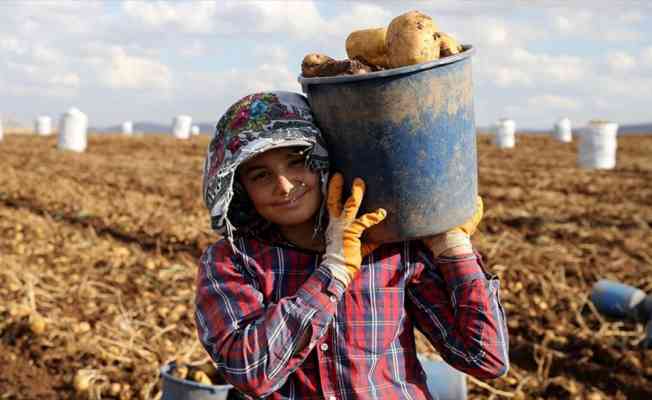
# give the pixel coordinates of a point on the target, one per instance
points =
(277, 324)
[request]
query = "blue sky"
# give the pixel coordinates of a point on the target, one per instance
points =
(535, 61)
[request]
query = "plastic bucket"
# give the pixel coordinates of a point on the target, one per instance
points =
(444, 382)
(409, 132)
(598, 145)
(504, 137)
(616, 299)
(181, 126)
(73, 131)
(127, 128)
(563, 131)
(181, 389)
(43, 125)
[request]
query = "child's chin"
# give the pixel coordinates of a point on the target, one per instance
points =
(299, 219)
(294, 217)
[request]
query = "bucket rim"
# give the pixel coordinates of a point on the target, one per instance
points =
(469, 50)
(167, 368)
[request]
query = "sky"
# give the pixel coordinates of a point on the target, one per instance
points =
(535, 61)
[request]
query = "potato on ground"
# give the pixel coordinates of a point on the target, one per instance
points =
(411, 39)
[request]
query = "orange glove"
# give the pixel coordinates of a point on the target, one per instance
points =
(457, 238)
(343, 247)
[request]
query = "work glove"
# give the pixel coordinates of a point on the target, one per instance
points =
(344, 250)
(458, 238)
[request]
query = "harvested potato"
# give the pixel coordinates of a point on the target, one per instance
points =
(312, 63)
(201, 377)
(337, 67)
(181, 372)
(411, 40)
(448, 45)
(368, 46)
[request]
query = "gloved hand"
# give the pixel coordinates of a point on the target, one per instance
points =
(457, 238)
(343, 247)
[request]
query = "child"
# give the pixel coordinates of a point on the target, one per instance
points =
(289, 310)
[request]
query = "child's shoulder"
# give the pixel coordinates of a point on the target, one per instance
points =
(222, 250)
(240, 246)
(220, 246)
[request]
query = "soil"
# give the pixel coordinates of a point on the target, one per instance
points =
(102, 246)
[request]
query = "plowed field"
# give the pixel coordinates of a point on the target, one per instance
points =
(98, 252)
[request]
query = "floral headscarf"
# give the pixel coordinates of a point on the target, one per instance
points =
(255, 124)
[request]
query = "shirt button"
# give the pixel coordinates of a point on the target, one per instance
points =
(333, 299)
(324, 347)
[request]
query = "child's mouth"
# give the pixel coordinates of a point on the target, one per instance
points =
(293, 197)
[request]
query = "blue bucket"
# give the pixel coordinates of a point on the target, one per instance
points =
(409, 132)
(616, 299)
(181, 389)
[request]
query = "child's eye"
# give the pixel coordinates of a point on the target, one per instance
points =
(258, 176)
(297, 161)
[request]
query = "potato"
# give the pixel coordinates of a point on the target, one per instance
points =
(201, 377)
(368, 46)
(411, 40)
(448, 45)
(312, 63)
(337, 67)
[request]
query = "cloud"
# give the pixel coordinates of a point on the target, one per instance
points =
(201, 55)
(239, 82)
(572, 21)
(505, 76)
(122, 71)
(299, 18)
(520, 67)
(611, 24)
(186, 17)
(358, 16)
(31, 18)
(195, 48)
(40, 78)
(551, 101)
(275, 54)
(646, 56)
(620, 61)
(46, 54)
(68, 80)
(631, 17)
(11, 44)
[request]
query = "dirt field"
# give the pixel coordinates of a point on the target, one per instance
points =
(98, 250)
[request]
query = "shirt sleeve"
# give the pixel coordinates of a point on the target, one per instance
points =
(256, 346)
(455, 303)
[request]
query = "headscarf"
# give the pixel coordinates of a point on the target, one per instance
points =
(255, 124)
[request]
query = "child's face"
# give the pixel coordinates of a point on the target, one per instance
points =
(281, 187)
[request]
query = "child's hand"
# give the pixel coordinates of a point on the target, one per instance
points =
(343, 247)
(457, 240)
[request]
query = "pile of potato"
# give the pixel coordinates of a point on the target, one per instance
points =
(409, 39)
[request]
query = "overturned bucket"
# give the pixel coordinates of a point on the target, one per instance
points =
(409, 132)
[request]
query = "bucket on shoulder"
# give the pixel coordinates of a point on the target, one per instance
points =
(409, 132)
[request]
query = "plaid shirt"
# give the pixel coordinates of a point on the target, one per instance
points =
(277, 324)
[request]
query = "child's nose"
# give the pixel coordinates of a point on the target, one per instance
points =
(285, 185)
